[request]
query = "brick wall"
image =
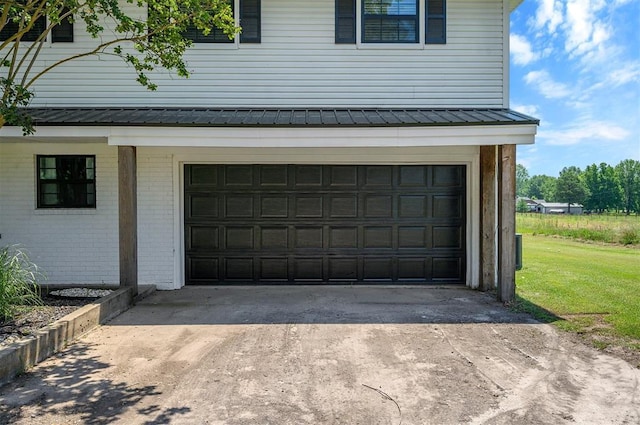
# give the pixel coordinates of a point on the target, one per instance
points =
(155, 218)
(81, 246)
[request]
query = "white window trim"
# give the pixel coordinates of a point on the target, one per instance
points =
(420, 45)
(222, 46)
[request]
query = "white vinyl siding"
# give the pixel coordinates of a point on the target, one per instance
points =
(298, 63)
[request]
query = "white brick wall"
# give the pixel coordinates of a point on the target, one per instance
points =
(155, 218)
(70, 246)
(81, 246)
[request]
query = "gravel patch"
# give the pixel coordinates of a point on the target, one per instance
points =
(56, 305)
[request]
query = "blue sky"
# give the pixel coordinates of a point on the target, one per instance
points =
(575, 65)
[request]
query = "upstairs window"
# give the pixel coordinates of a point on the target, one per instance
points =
(66, 181)
(61, 33)
(385, 21)
(390, 21)
(249, 21)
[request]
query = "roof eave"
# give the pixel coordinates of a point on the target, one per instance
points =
(513, 4)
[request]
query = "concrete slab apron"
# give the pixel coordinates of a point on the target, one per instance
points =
(336, 355)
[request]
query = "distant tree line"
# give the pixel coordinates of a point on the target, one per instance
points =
(599, 188)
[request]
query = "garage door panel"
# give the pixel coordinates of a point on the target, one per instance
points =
(378, 237)
(343, 206)
(308, 238)
(447, 176)
(378, 175)
(447, 206)
(272, 269)
(273, 206)
(308, 206)
(378, 206)
(447, 268)
(412, 206)
(412, 237)
(343, 237)
(238, 176)
(203, 175)
(412, 268)
(238, 206)
(344, 269)
(308, 175)
(315, 223)
(239, 238)
(341, 176)
(274, 238)
(274, 176)
(447, 237)
(202, 205)
(203, 238)
(203, 269)
(412, 176)
(239, 269)
(378, 269)
(308, 269)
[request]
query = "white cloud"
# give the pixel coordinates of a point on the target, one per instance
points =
(584, 131)
(627, 73)
(549, 15)
(544, 83)
(521, 50)
(585, 32)
(531, 110)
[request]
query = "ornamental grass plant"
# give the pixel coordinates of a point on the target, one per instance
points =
(19, 278)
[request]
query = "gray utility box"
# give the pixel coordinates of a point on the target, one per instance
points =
(518, 251)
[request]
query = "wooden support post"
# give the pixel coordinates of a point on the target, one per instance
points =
(507, 223)
(128, 217)
(488, 218)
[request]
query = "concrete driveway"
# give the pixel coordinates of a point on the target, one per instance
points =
(324, 355)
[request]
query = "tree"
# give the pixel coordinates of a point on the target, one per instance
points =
(522, 206)
(570, 187)
(541, 187)
(628, 172)
(156, 39)
(522, 180)
(603, 186)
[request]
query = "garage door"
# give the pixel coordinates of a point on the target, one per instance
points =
(285, 224)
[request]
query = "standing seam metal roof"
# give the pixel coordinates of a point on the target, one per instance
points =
(276, 117)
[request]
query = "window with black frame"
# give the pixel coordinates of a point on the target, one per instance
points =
(390, 21)
(66, 181)
(250, 21)
(60, 33)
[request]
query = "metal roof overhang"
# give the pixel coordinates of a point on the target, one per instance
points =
(268, 127)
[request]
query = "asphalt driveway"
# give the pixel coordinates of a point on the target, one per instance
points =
(324, 355)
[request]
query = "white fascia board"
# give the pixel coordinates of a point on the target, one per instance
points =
(57, 133)
(263, 137)
(323, 137)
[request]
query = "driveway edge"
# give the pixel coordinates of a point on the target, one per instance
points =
(20, 356)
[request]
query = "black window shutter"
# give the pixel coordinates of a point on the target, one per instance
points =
(345, 21)
(250, 21)
(63, 32)
(11, 28)
(436, 22)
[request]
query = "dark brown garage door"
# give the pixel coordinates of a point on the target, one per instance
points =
(324, 224)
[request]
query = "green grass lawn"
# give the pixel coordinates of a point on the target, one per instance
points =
(619, 229)
(587, 285)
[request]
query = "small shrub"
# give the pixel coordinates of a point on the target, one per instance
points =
(630, 237)
(18, 281)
